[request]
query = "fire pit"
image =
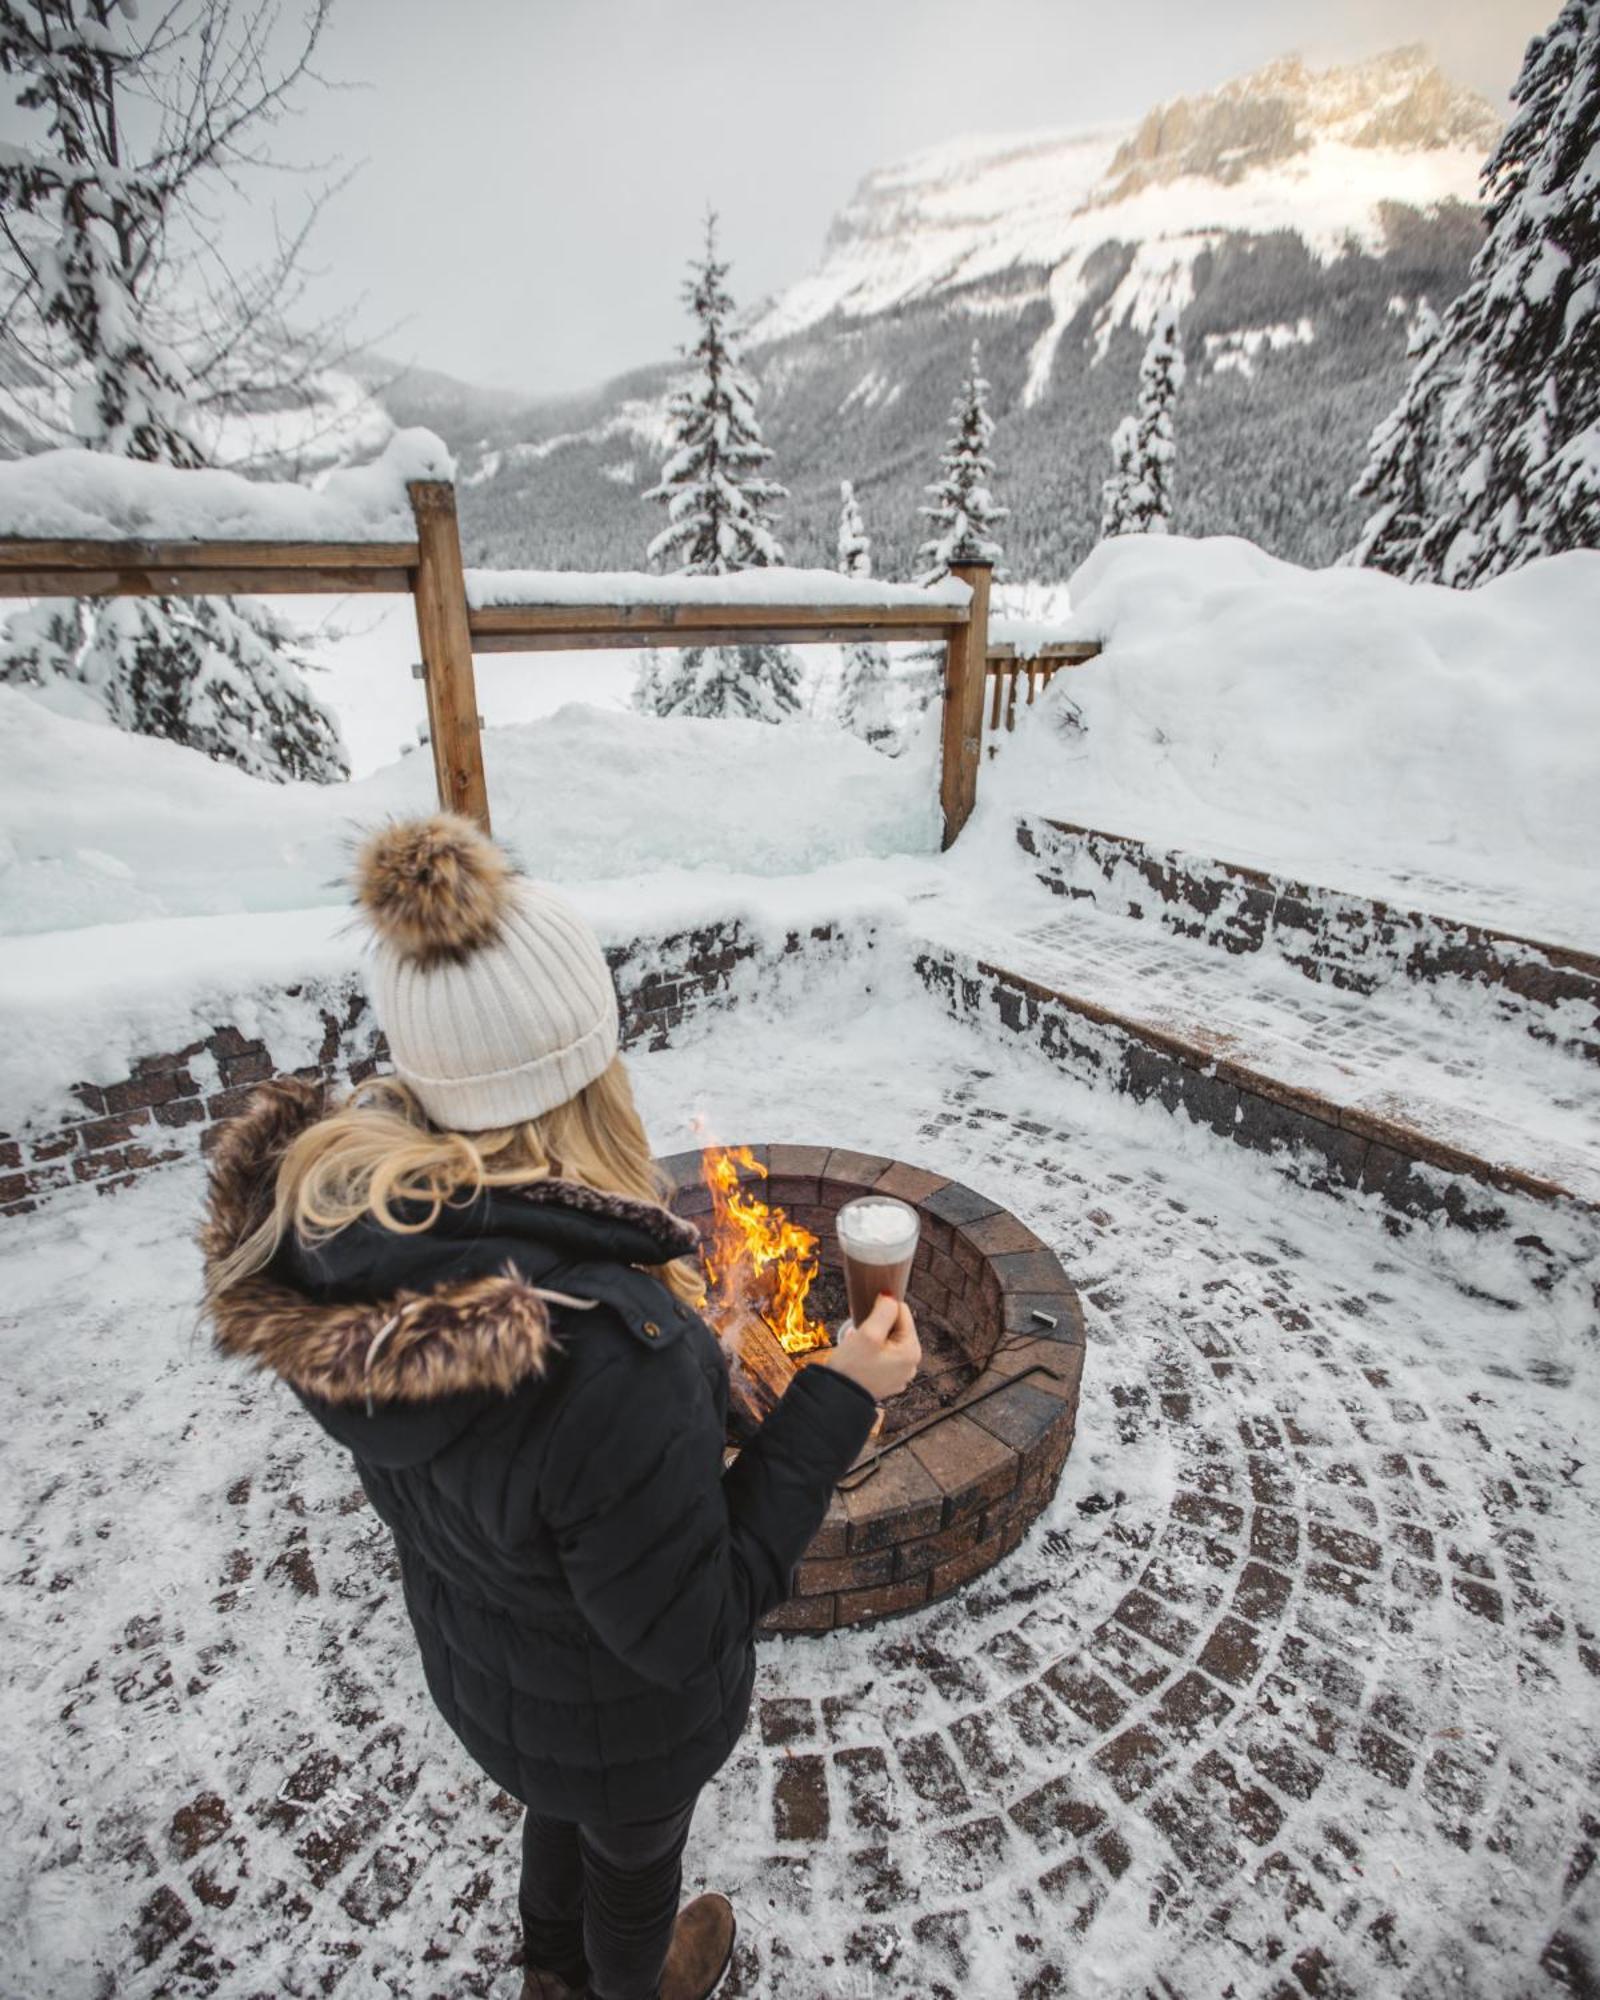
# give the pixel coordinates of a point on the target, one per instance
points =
(968, 1456)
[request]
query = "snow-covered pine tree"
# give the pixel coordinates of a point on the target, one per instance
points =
(864, 682)
(964, 513)
(85, 233)
(1137, 498)
(646, 697)
(1506, 403)
(719, 498)
(1398, 456)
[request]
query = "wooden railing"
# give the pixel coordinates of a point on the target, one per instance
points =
(449, 631)
(1008, 673)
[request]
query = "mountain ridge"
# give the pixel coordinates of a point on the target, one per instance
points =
(1294, 217)
(1346, 195)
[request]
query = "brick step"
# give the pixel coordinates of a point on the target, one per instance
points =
(1378, 1099)
(1356, 944)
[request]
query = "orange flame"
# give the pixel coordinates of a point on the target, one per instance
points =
(757, 1260)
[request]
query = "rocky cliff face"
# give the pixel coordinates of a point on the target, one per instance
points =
(1398, 102)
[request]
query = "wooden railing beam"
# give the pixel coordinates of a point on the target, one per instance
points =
(190, 582)
(966, 661)
(693, 624)
(201, 569)
(1058, 652)
(577, 640)
(67, 555)
(446, 641)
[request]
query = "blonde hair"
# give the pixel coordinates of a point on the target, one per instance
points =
(379, 1147)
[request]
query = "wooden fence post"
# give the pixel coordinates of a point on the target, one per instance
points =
(966, 657)
(441, 601)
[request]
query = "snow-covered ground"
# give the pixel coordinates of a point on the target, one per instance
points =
(99, 827)
(1294, 1680)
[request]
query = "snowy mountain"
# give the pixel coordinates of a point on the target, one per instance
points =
(1319, 156)
(1295, 217)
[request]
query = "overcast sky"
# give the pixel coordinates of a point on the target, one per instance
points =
(534, 171)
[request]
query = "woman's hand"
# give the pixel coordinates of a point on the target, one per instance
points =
(883, 1353)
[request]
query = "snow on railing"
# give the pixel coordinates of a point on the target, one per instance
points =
(78, 496)
(552, 610)
(1040, 638)
(767, 588)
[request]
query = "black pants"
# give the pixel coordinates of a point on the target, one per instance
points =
(598, 1900)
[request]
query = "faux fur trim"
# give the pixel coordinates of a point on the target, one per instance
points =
(491, 1331)
(436, 889)
(675, 1237)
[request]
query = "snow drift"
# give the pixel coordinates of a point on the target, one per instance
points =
(99, 827)
(1335, 721)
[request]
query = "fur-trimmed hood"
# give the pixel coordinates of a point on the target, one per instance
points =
(374, 1318)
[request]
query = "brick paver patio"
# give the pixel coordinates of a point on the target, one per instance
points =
(1294, 1689)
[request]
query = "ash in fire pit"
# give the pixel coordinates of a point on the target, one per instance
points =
(972, 1450)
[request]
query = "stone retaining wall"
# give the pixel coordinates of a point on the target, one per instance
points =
(172, 1099)
(1315, 1142)
(1551, 992)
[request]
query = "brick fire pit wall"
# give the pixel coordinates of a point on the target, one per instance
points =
(951, 1499)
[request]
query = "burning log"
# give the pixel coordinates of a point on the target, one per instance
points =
(760, 1267)
(761, 1368)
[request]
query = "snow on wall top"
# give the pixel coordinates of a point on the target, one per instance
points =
(145, 890)
(489, 588)
(93, 496)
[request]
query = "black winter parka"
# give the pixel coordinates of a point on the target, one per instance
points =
(583, 1577)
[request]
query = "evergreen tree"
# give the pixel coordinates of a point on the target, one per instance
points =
(719, 499)
(1137, 498)
(1399, 454)
(864, 684)
(647, 683)
(85, 232)
(1502, 460)
(964, 512)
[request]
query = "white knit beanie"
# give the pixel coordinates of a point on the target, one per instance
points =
(494, 994)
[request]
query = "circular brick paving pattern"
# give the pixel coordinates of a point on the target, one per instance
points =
(1292, 1690)
(918, 1519)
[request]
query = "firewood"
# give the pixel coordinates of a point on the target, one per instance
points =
(768, 1370)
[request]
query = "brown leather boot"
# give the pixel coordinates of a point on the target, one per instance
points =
(549, 1986)
(702, 1945)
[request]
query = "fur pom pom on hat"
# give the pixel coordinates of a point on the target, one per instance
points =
(494, 994)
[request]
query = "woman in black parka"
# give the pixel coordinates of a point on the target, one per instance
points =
(466, 1274)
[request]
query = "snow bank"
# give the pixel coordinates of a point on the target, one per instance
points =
(99, 827)
(92, 496)
(1030, 615)
(1336, 722)
(487, 588)
(81, 1006)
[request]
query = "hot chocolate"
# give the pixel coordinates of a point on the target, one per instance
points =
(877, 1242)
